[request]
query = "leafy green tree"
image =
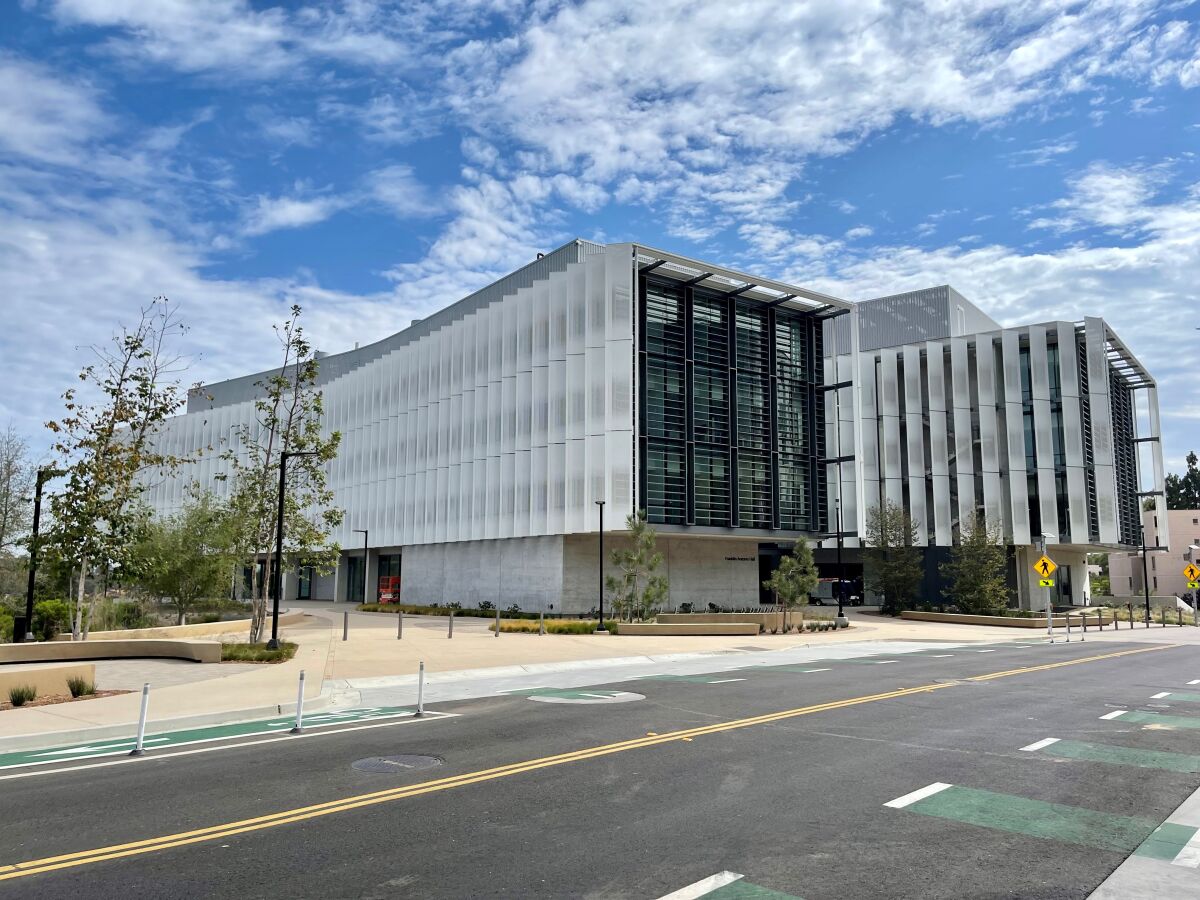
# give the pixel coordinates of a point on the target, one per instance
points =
(106, 445)
(976, 570)
(639, 591)
(287, 418)
(188, 557)
(16, 486)
(794, 579)
(1183, 491)
(893, 561)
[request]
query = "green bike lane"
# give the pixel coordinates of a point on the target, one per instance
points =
(274, 727)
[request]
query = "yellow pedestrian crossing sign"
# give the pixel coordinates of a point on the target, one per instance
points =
(1045, 567)
(1046, 582)
(1191, 572)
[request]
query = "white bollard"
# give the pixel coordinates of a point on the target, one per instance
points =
(420, 690)
(400, 625)
(541, 623)
(299, 726)
(497, 620)
(1068, 628)
(141, 732)
(346, 625)
(450, 627)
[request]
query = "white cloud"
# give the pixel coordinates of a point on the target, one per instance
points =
(1043, 153)
(859, 231)
(398, 189)
(44, 117)
(1111, 197)
(274, 213)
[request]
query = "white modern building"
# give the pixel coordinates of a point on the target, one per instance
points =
(739, 411)
(1051, 431)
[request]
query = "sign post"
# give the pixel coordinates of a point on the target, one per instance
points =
(1045, 567)
(1192, 573)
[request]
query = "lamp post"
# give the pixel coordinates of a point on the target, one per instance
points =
(364, 532)
(1191, 550)
(43, 475)
(600, 629)
(841, 592)
(277, 578)
(1145, 573)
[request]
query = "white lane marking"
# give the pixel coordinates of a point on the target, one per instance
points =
(985, 651)
(703, 886)
(1197, 681)
(126, 758)
(1046, 742)
(1114, 714)
(908, 799)
(107, 745)
(884, 662)
(726, 680)
(648, 675)
(942, 656)
(814, 670)
(1189, 856)
(535, 687)
(1160, 696)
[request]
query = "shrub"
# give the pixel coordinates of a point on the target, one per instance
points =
(50, 617)
(208, 618)
(20, 694)
(257, 652)
(131, 615)
(6, 627)
(80, 687)
(484, 605)
(514, 610)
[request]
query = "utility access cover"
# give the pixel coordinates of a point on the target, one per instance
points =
(395, 765)
(582, 695)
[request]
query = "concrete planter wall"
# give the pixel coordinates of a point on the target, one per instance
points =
(199, 629)
(53, 651)
(50, 681)
(686, 628)
(765, 620)
(1060, 621)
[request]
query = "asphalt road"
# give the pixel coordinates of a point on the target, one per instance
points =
(781, 777)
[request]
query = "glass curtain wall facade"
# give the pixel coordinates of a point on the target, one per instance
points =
(730, 398)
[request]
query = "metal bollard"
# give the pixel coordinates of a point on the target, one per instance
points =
(1083, 618)
(141, 732)
(1068, 617)
(450, 625)
(400, 625)
(346, 625)
(542, 623)
(1179, 617)
(420, 690)
(1129, 606)
(299, 726)
(497, 620)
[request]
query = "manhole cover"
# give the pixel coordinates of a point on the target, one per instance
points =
(395, 765)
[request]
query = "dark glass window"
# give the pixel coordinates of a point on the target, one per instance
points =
(712, 486)
(664, 321)
(666, 403)
(710, 405)
(665, 484)
(754, 490)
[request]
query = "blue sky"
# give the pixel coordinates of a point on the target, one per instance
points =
(376, 161)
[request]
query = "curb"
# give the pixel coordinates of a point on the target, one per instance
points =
(328, 698)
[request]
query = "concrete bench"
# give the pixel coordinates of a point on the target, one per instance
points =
(60, 651)
(50, 681)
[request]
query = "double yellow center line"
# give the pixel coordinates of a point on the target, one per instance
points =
(228, 829)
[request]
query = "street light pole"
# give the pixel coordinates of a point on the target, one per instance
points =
(364, 532)
(841, 616)
(277, 579)
(43, 475)
(600, 629)
(1145, 573)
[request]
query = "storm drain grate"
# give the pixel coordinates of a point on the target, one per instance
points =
(395, 765)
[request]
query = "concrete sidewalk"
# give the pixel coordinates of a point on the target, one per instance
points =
(373, 652)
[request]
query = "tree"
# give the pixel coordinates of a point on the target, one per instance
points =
(893, 562)
(287, 418)
(976, 570)
(188, 557)
(16, 488)
(639, 591)
(1183, 491)
(795, 577)
(107, 444)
